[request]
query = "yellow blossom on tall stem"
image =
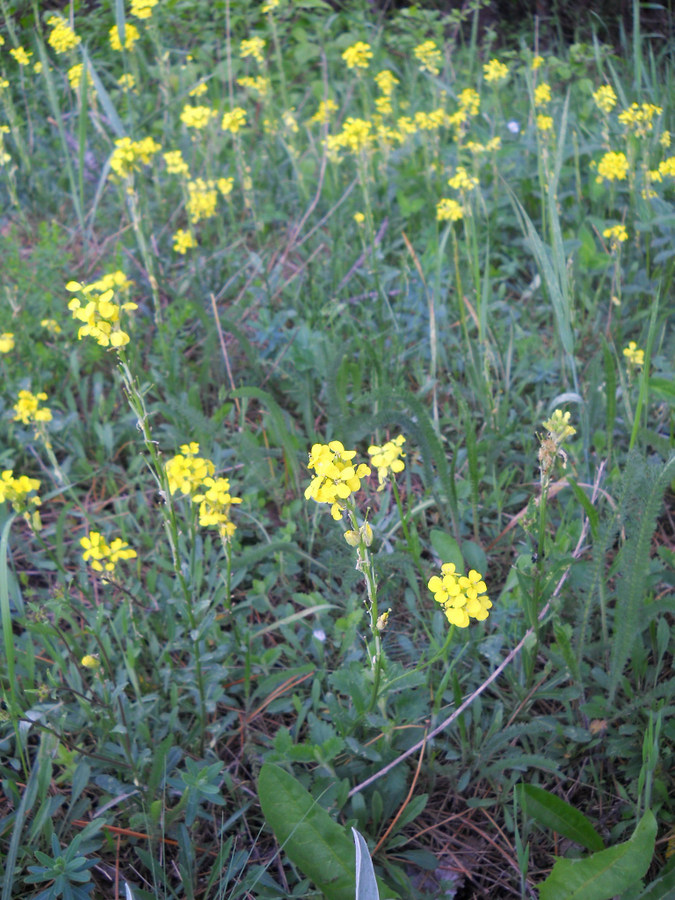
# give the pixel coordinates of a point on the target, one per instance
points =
(6, 342)
(358, 56)
(635, 357)
(495, 71)
(612, 167)
(336, 478)
(21, 492)
(429, 57)
(387, 459)
(102, 556)
(463, 597)
(28, 408)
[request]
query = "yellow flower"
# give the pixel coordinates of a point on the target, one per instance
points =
(128, 155)
(463, 597)
(175, 164)
(253, 47)
(198, 90)
(127, 82)
(186, 471)
(214, 501)
(336, 477)
(21, 56)
(90, 662)
(202, 199)
(225, 186)
(6, 342)
(196, 116)
(462, 181)
(634, 356)
(62, 37)
(667, 167)
(537, 62)
(617, 234)
(448, 210)
(51, 325)
(21, 492)
(131, 35)
(558, 426)
(234, 120)
(639, 119)
(142, 9)
(101, 556)
(358, 55)
(99, 311)
(469, 100)
(259, 85)
(183, 241)
(495, 71)
(387, 459)
(27, 408)
(429, 57)
(359, 218)
(605, 98)
(612, 167)
(542, 94)
(664, 140)
(544, 123)
(386, 82)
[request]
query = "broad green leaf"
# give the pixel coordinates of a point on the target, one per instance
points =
(446, 548)
(663, 885)
(604, 874)
(557, 815)
(316, 844)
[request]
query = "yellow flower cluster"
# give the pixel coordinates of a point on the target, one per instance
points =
(183, 241)
(21, 55)
(100, 555)
(612, 167)
(186, 471)
(142, 9)
(386, 81)
(193, 477)
(558, 426)
(634, 356)
(27, 408)
(51, 325)
(131, 35)
(495, 71)
(175, 164)
(21, 492)
(605, 98)
(463, 597)
(196, 116)
(6, 342)
(74, 75)
(544, 123)
(336, 478)
(215, 501)
(429, 57)
(127, 82)
(128, 155)
(462, 181)
(258, 84)
(62, 37)
(358, 55)
(448, 210)
(492, 145)
(99, 311)
(387, 459)
(356, 136)
(542, 94)
(202, 199)
(617, 234)
(639, 119)
(234, 120)
(253, 48)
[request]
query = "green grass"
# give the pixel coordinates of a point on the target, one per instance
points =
(323, 300)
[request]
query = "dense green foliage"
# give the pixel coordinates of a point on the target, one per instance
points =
(259, 229)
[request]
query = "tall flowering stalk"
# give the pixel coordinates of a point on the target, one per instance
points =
(336, 480)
